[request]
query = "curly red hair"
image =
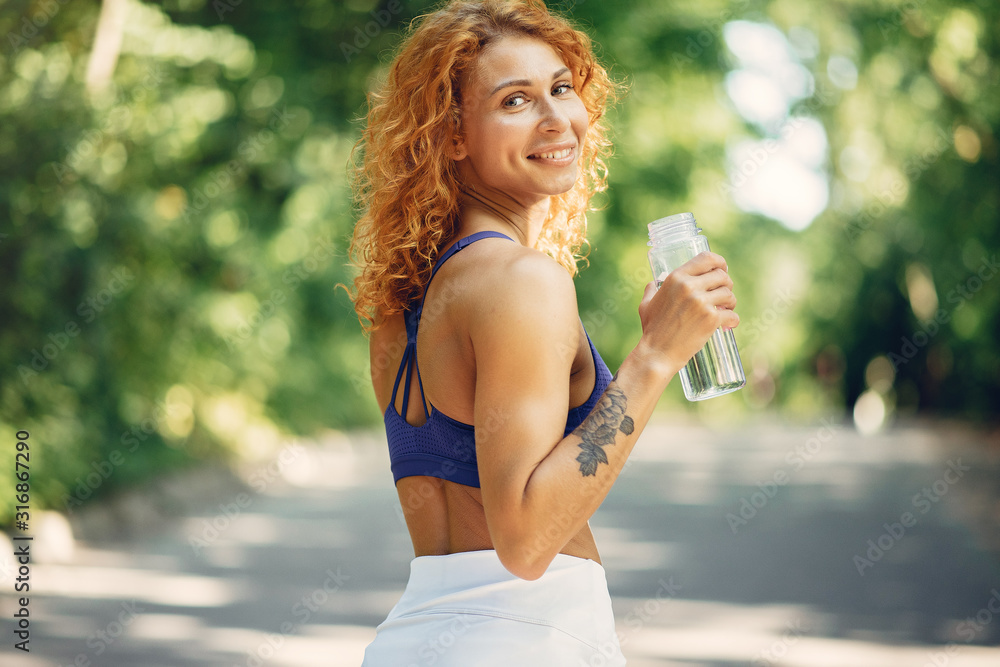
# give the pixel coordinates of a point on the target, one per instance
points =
(408, 186)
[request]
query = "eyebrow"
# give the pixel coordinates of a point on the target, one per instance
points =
(524, 82)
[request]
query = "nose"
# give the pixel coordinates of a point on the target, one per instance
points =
(553, 116)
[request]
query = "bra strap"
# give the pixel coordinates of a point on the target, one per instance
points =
(412, 319)
(406, 364)
(455, 247)
(399, 374)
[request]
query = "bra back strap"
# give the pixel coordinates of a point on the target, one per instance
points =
(455, 247)
(413, 321)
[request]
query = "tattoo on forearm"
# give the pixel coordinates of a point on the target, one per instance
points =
(600, 428)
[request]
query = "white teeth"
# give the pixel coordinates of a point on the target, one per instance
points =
(557, 155)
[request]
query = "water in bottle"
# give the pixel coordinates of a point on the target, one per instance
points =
(716, 368)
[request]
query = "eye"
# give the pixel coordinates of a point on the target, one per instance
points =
(514, 101)
(562, 88)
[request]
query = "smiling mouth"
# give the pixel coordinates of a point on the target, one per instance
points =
(557, 155)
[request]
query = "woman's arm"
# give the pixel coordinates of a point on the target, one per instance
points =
(539, 488)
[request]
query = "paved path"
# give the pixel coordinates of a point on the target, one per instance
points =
(722, 548)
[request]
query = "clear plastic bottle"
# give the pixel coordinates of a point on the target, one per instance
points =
(716, 369)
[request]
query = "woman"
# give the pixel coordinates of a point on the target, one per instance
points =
(481, 154)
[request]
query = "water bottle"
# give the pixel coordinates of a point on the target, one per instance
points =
(716, 369)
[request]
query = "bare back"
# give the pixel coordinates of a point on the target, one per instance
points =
(442, 516)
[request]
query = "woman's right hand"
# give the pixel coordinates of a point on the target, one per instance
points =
(693, 301)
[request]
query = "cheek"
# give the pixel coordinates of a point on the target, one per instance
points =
(499, 141)
(580, 118)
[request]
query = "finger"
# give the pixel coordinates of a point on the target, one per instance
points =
(704, 262)
(715, 279)
(647, 296)
(721, 298)
(729, 319)
(650, 290)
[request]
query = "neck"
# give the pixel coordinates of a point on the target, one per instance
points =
(493, 210)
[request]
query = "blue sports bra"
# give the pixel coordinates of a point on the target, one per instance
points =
(444, 447)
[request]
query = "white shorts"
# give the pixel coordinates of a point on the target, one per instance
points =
(467, 610)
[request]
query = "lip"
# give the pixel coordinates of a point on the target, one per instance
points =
(554, 148)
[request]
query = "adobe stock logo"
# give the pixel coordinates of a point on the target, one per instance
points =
(372, 29)
(923, 501)
(59, 339)
(959, 295)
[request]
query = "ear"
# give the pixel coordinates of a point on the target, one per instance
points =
(458, 151)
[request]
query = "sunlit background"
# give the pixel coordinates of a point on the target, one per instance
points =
(175, 213)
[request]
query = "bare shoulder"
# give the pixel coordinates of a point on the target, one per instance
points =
(509, 281)
(515, 295)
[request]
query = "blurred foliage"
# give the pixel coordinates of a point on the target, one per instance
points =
(168, 247)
